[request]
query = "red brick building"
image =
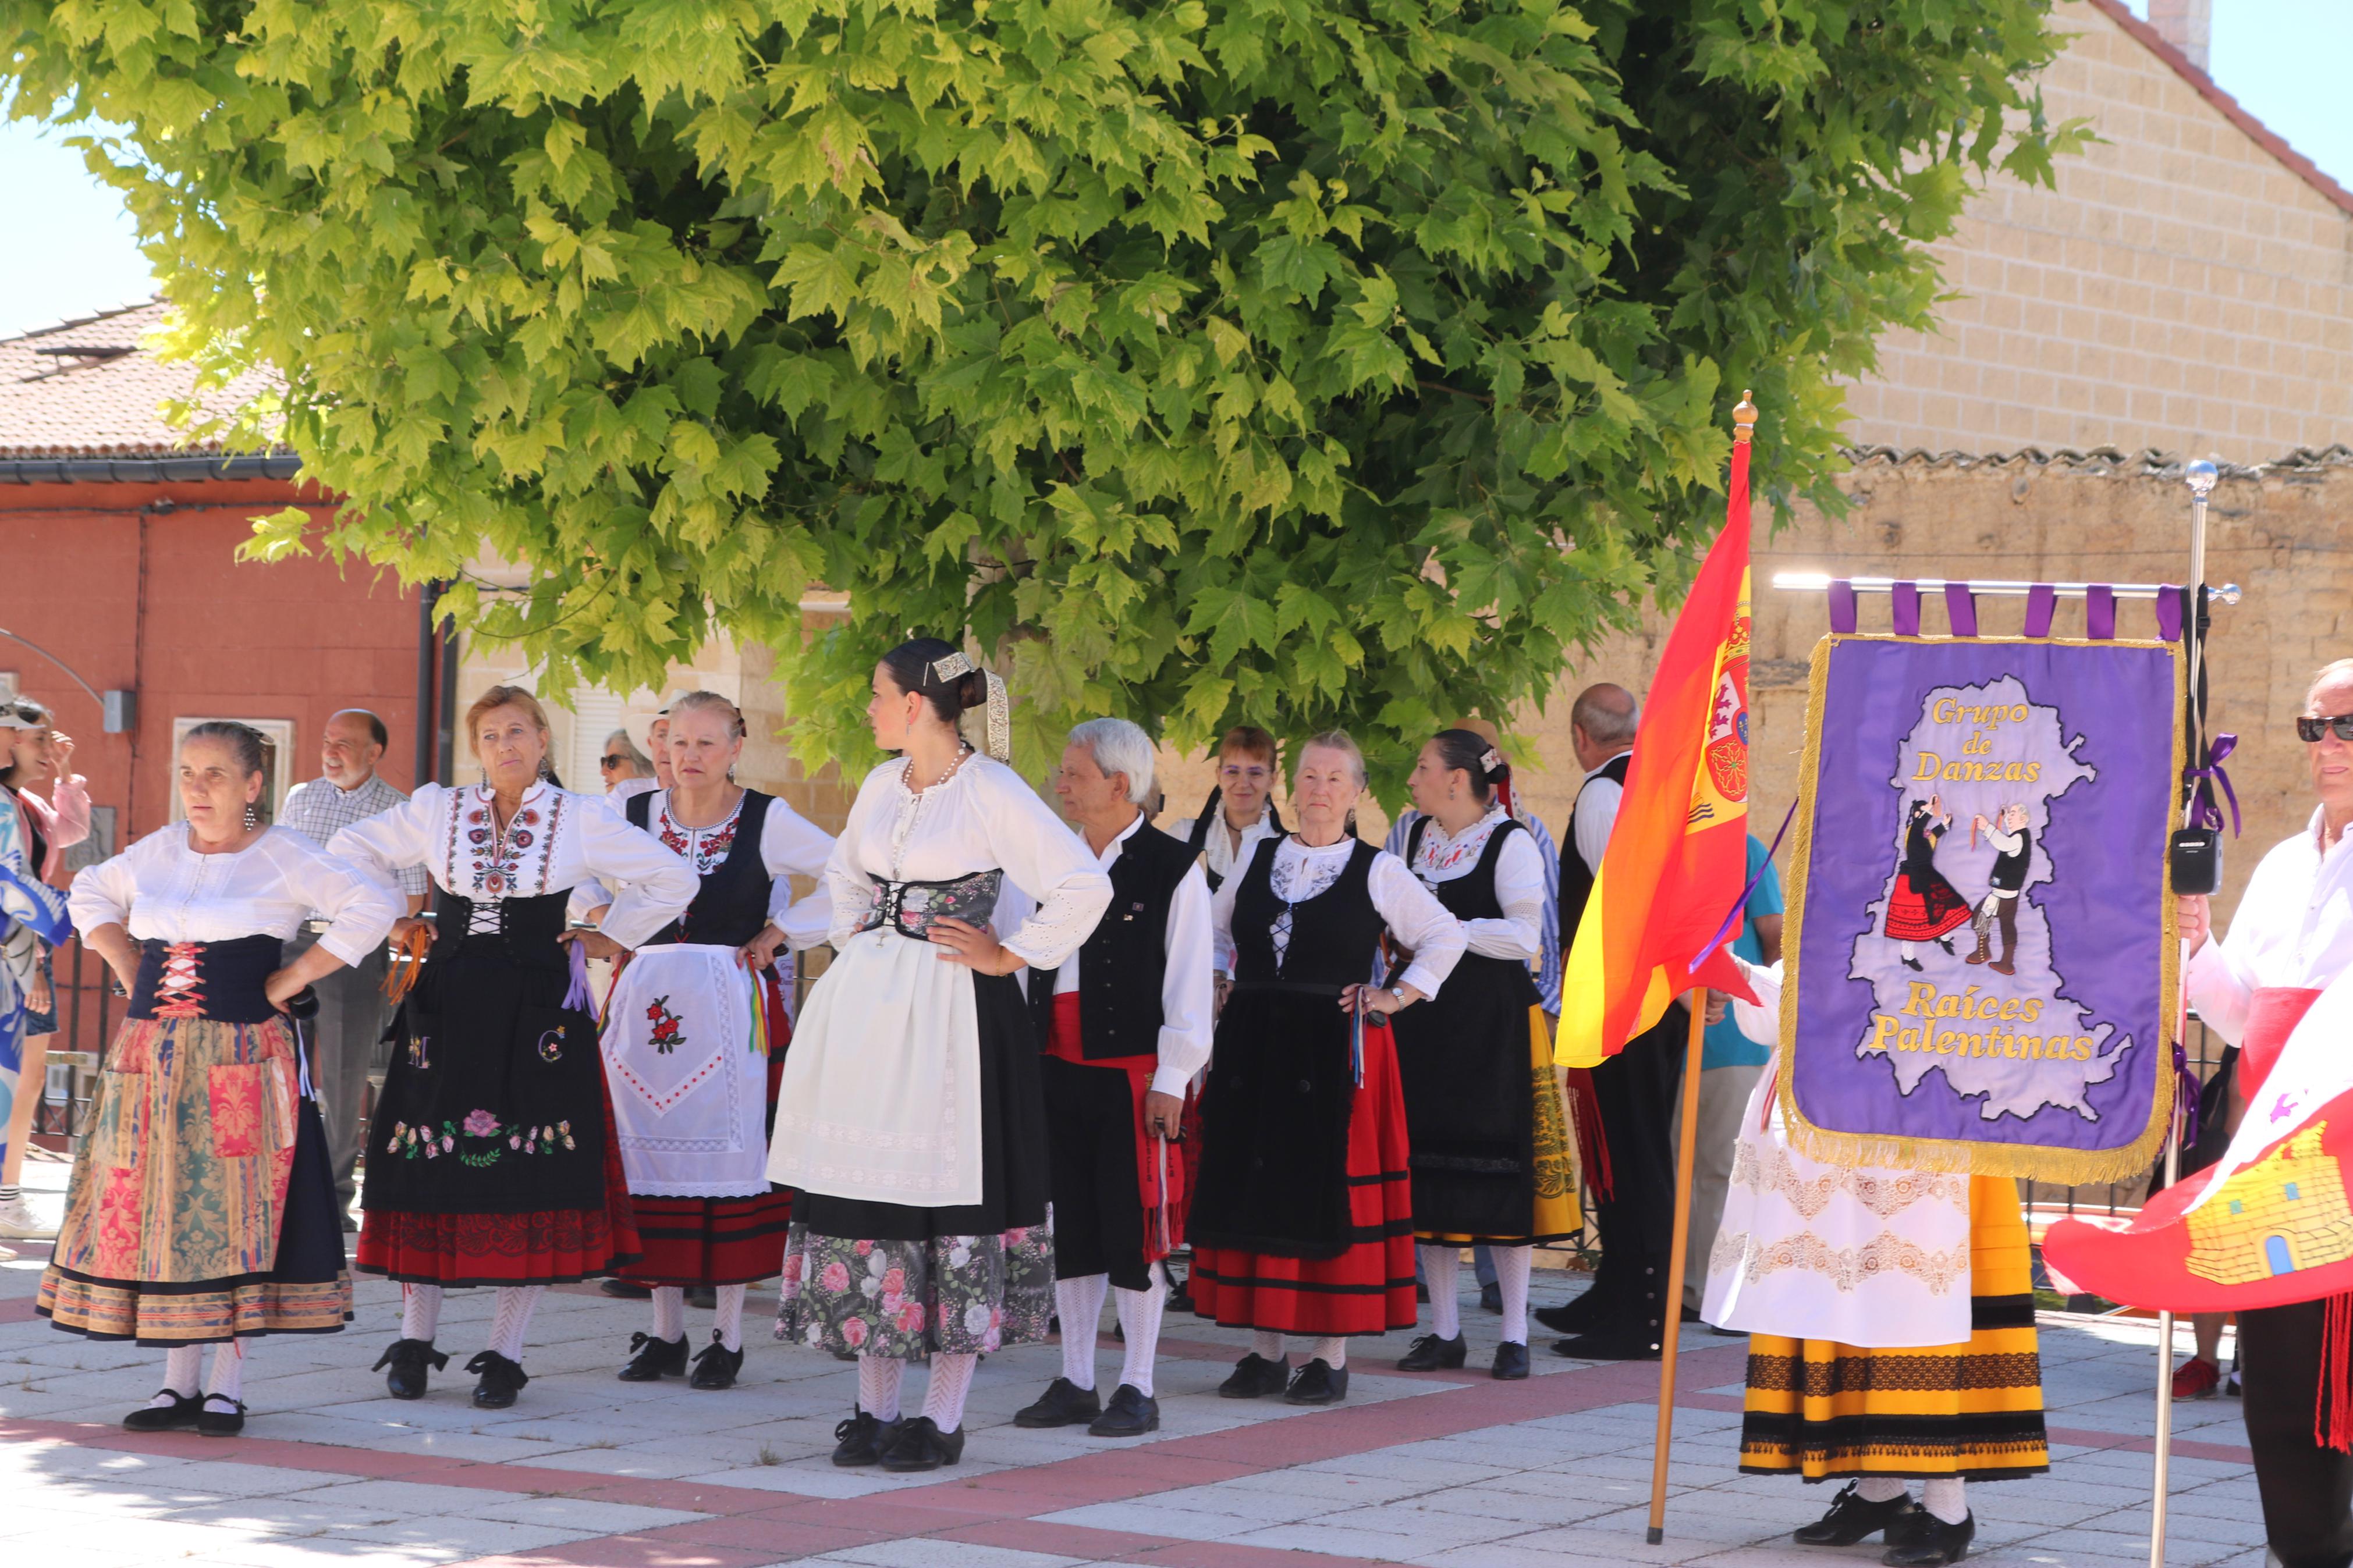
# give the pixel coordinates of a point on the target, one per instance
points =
(118, 559)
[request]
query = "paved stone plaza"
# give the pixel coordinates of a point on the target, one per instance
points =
(1439, 1468)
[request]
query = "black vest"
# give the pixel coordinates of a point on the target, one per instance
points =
(1122, 964)
(1335, 936)
(1576, 877)
(1211, 819)
(1471, 896)
(731, 905)
(2010, 870)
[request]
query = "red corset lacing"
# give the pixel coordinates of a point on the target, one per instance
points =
(180, 990)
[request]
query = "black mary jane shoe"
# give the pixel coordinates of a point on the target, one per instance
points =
(861, 1439)
(1131, 1413)
(181, 1412)
(405, 1365)
(1929, 1542)
(1850, 1518)
(1255, 1377)
(502, 1380)
(1511, 1363)
(1064, 1404)
(228, 1423)
(920, 1444)
(1431, 1353)
(716, 1365)
(1317, 1382)
(651, 1360)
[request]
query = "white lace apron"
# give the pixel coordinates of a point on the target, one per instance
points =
(688, 1064)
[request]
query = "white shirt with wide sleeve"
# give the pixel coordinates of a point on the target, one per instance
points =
(573, 837)
(160, 889)
(1595, 813)
(1519, 883)
(2293, 927)
(1415, 916)
(984, 817)
(1189, 983)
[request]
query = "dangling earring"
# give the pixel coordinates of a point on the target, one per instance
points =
(252, 817)
(546, 769)
(1349, 826)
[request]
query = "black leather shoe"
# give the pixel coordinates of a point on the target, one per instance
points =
(1511, 1363)
(405, 1367)
(1605, 1347)
(920, 1444)
(181, 1412)
(651, 1360)
(702, 1297)
(1929, 1542)
(1064, 1404)
(1255, 1377)
(1571, 1317)
(1431, 1353)
(1850, 1518)
(1317, 1382)
(1132, 1413)
(1180, 1299)
(502, 1380)
(716, 1365)
(1491, 1297)
(1421, 1291)
(224, 1417)
(860, 1439)
(626, 1290)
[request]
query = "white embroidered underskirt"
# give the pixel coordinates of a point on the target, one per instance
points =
(689, 1073)
(880, 1100)
(1866, 1255)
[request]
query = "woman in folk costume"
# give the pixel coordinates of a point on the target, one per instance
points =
(694, 1041)
(490, 1158)
(32, 919)
(1922, 905)
(203, 1210)
(911, 1124)
(1491, 1152)
(1891, 1316)
(1303, 1221)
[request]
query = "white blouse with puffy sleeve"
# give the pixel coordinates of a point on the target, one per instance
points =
(160, 889)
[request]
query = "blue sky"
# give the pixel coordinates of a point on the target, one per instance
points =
(68, 248)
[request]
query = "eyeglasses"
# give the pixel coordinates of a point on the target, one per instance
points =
(606, 764)
(2313, 729)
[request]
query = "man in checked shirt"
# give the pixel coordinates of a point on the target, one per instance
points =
(351, 1007)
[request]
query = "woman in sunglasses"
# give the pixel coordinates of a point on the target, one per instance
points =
(2291, 938)
(626, 770)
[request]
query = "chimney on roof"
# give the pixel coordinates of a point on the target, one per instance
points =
(2187, 25)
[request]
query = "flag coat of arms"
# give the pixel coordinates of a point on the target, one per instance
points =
(1654, 924)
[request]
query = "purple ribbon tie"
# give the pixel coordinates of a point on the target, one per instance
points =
(578, 995)
(2217, 749)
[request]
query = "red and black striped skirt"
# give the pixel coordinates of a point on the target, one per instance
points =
(1368, 1289)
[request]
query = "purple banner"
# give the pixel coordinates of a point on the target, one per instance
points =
(1978, 919)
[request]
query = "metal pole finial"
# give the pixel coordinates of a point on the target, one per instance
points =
(2200, 476)
(1744, 418)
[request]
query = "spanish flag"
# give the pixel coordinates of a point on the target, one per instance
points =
(1678, 856)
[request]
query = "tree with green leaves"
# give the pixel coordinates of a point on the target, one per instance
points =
(1298, 362)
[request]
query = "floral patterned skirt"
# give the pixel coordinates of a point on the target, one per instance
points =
(895, 1280)
(202, 1208)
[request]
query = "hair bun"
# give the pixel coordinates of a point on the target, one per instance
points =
(972, 688)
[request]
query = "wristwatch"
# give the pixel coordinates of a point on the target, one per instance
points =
(1397, 994)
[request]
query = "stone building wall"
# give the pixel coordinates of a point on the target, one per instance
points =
(2187, 286)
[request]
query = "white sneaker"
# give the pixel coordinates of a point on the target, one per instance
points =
(18, 1223)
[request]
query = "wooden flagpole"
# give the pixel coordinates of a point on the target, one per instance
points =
(1671, 1328)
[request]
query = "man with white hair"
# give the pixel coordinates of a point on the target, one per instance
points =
(1126, 1024)
(2291, 937)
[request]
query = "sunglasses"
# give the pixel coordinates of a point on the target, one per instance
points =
(606, 764)
(2313, 729)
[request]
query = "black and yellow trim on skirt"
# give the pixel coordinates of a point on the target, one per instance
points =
(1973, 1410)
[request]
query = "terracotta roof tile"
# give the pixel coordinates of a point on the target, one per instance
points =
(104, 401)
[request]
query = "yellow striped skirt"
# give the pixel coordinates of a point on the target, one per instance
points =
(1822, 1409)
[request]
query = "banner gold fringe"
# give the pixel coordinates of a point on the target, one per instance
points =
(2061, 1167)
